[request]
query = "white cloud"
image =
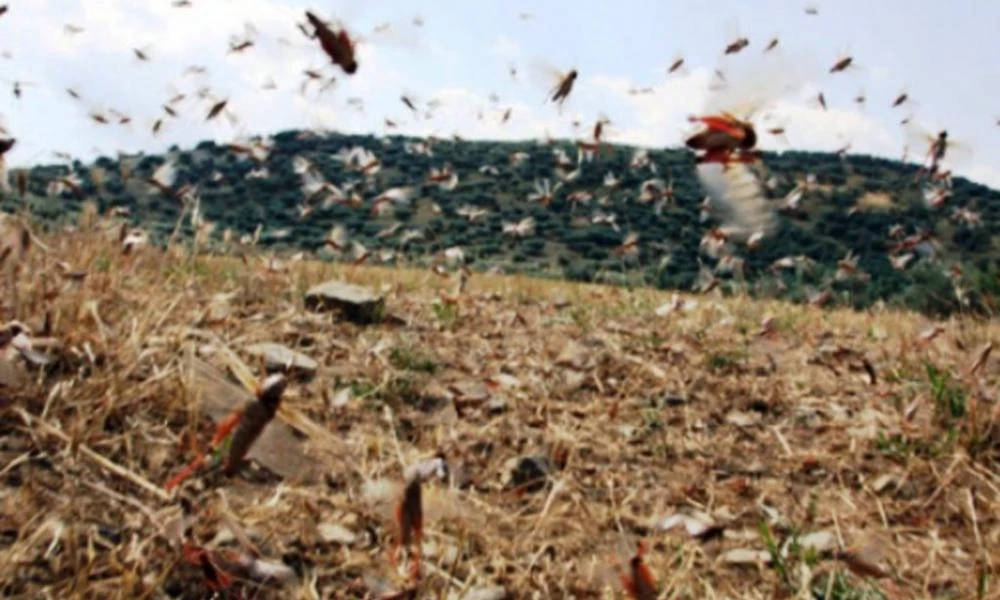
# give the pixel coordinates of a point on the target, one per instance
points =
(811, 128)
(656, 119)
(99, 63)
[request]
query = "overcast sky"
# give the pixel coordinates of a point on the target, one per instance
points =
(942, 54)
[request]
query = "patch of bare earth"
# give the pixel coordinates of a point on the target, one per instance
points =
(876, 201)
(829, 451)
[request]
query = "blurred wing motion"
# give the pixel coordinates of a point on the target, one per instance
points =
(399, 34)
(544, 74)
(759, 81)
(934, 148)
(278, 448)
(555, 82)
(737, 199)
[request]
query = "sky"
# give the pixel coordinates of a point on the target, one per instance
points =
(940, 54)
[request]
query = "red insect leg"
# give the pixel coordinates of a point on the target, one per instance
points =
(215, 578)
(410, 523)
(638, 581)
(193, 466)
(226, 427)
(415, 560)
(398, 544)
(221, 433)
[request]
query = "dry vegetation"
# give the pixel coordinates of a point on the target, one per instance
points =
(831, 453)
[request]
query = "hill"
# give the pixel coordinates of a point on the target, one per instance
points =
(851, 208)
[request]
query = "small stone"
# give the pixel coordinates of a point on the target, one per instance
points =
(742, 419)
(333, 533)
(745, 557)
(277, 357)
(884, 482)
(497, 406)
(818, 541)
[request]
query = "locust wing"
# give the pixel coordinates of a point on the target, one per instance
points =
(278, 448)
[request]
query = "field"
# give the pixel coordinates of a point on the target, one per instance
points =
(801, 453)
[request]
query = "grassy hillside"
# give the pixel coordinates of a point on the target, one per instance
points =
(829, 454)
(567, 244)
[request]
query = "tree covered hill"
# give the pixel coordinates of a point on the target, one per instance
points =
(853, 205)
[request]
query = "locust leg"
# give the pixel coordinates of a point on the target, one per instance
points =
(398, 543)
(411, 537)
(215, 578)
(226, 427)
(221, 433)
(415, 550)
(193, 466)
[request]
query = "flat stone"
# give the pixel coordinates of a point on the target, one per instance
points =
(355, 303)
(277, 357)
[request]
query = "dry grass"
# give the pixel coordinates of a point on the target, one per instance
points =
(688, 413)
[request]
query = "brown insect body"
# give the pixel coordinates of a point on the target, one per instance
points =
(254, 418)
(841, 64)
(638, 581)
(217, 108)
(737, 45)
(338, 46)
(410, 514)
(939, 147)
(565, 87)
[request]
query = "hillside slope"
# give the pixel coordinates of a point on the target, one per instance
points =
(852, 207)
(575, 420)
